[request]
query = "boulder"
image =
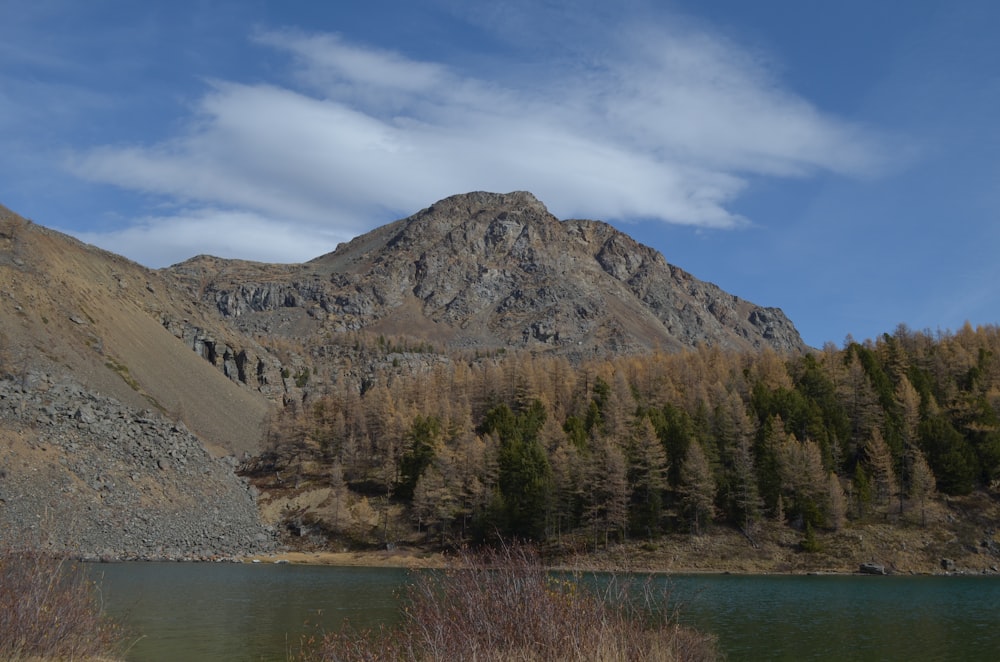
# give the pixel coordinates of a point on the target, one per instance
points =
(872, 569)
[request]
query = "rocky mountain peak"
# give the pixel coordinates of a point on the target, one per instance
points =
(488, 270)
(489, 224)
(483, 202)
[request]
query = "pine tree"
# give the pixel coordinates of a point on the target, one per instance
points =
(423, 442)
(434, 502)
(922, 482)
(809, 543)
(880, 463)
(803, 479)
(862, 490)
(909, 414)
(949, 454)
(647, 477)
(568, 479)
(909, 405)
(618, 410)
(697, 487)
(767, 462)
(837, 501)
(860, 400)
(524, 475)
(746, 497)
(607, 508)
(476, 474)
(676, 431)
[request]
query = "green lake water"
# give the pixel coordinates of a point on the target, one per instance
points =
(230, 612)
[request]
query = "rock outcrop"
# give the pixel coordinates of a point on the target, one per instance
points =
(485, 271)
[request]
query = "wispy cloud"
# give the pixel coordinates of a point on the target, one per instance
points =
(657, 125)
(211, 231)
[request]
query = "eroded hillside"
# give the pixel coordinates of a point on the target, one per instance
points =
(124, 331)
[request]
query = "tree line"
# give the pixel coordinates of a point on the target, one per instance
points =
(637, 446)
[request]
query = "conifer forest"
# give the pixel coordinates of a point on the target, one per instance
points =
(629, 448)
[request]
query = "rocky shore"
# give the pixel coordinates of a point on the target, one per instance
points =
(85, 475)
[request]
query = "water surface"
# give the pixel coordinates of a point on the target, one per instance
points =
(221, 612)
(230, 612)
(846, 618)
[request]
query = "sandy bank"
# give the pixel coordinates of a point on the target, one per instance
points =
(367, 559)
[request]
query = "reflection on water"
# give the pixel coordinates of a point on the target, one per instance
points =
(226, 612)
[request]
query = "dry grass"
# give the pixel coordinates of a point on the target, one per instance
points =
(50, 610)
(503, 606)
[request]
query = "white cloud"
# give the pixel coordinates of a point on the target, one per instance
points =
(159, 241)
(328, 62)
(664, 126)
(695, 98)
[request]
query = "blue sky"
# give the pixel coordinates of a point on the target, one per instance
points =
(837, 160)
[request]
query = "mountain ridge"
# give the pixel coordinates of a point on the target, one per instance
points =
(481, 272)
(489, 270)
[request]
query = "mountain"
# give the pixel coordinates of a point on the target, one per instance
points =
(486, 271)
(128, 396)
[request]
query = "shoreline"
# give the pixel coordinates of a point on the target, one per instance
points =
(412, 560)
(437, 560)
(356, 559)
(941, 549)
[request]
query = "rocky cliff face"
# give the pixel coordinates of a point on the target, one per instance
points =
(487, 270)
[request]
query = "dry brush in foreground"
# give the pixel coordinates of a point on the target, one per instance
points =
(503, 605)
(50, 609)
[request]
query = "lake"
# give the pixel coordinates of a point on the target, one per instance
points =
(229, 612)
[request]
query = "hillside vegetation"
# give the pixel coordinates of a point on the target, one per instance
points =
(480, 369)
(897, 434)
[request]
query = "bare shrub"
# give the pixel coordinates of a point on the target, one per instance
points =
(502, 605)
(50, 609)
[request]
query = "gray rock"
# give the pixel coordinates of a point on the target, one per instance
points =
(487, 270)
(85, 414)
(137, 505)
